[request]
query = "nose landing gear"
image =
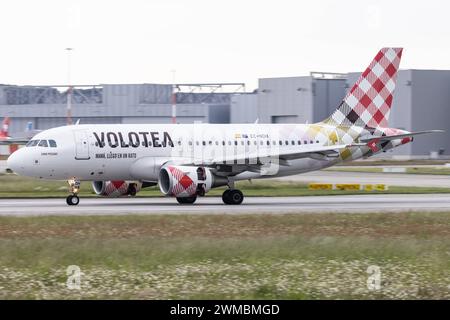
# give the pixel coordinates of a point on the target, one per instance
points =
(72, 200)
(74, 188)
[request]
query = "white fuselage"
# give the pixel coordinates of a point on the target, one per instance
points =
(137, 151)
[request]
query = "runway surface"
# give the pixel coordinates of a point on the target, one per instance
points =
(214, 205)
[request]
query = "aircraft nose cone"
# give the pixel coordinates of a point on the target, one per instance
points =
(16, 161)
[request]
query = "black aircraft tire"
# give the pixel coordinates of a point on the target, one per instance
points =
(232, 196)
(72, 200)
(186, 200)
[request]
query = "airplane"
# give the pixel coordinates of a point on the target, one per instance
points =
(188, 160)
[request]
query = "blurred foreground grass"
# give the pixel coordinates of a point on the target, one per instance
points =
(291, 256)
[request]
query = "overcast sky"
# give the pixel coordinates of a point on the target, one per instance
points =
(137, 41)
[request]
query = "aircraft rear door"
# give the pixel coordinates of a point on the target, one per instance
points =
(81, 145)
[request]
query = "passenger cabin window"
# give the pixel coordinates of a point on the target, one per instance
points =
(52, 143)
(43, 143)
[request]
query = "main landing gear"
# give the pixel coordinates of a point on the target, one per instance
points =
(186, 200)
(232, 196)
(74, 188)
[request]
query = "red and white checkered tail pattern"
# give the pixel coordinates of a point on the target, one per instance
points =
(368, 103)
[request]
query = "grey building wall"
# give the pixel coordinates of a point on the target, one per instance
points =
(219, 113)
(46, 107)
(244, 108)
(327, 95)
(431, 109)
(298, 99)
(285, 100)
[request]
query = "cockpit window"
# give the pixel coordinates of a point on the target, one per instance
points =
(32, 143)
(43, 143)
(52, 143)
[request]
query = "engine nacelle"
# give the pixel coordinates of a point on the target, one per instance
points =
(186, 181)
(116, 188)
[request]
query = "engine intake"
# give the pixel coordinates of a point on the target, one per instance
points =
(116, 188)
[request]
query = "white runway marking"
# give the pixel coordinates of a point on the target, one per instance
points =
(214, 205)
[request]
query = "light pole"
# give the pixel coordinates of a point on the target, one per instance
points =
(69, 90)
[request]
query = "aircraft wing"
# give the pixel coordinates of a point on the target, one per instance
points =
(319, 152)
(399, 136)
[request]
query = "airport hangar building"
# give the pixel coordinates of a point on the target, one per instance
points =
(421, 102)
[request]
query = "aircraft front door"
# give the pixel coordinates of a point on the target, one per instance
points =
(81, 145)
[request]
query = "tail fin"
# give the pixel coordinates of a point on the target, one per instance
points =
(368, 103)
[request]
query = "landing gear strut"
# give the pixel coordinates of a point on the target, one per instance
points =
(74, 188)
(232, 196)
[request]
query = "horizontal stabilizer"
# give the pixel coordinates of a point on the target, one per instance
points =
(400, 136)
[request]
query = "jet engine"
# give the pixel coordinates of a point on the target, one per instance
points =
(116, 188)
(187, 181)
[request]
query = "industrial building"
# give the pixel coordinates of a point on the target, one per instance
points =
(46, 106)
(421, 102)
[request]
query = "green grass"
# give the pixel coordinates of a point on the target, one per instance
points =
(13, 186)
(291, 256)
